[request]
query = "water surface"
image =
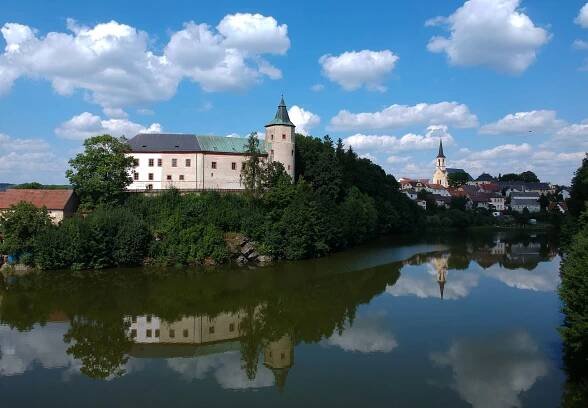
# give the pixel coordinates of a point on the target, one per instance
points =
(446, 321)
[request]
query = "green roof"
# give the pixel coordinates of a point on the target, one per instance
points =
(223, 144)
(281, 117)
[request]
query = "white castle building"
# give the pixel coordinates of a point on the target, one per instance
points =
(197, 162)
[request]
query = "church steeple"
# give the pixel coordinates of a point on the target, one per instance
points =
(440, 154)
(281, 117)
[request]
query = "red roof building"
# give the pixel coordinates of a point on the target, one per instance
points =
(60, 203)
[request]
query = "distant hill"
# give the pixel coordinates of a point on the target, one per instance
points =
(4, 186)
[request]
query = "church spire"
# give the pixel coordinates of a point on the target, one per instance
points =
(281, 117)
(440, 149)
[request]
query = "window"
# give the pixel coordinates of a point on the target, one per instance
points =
(148, 318)
(288, 167)
(282, 355)
(292, 152)
(211, 330)
(213, 165)
(188, 162)
(211, 174)
(135, 176)
(242, 165)
(233, 166)
(272, 137)
(156, 332)
(134, 319)
(150, 176)
(168, 177)
(174, 162)
(136, 162)
(151, 162)
(272, 152)
(159, 163)
(172, 333)
(181, 177)
(134, 333)
(148, 333)
(185, 333)
(283, 137)
(232, 327)
(149, 186)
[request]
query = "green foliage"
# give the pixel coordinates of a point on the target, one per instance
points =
(20, 225)
(579, 190)
(38, 186)
(101, 173)
(458, 203)
(526, 176)
(458, 178)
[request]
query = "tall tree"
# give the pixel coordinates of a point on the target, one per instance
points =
(458, 178)
(20, 225)
(579, 191)
(102, 172)
(252, 170)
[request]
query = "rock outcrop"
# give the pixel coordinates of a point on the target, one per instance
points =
(243, 250)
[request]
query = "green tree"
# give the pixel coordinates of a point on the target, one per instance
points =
(528, 177)
(253, 169)
(458, 178)
(101, 173)
(543, 202)
(579, 190)
(20, 225)
(458, 203)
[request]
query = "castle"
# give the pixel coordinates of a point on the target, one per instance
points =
(198, 162)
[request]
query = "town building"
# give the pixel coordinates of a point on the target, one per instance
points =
(441, 174)
(198, 162)
(60, 203)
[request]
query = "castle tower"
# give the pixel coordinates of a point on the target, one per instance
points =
(440, 175)
(279, 139)
(278, 356)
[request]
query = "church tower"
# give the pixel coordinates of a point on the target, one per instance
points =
(440, 175)
(279, 139)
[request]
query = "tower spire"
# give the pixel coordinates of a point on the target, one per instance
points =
(282, 117)
(440, 154)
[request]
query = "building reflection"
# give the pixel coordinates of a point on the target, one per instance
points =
(204, 335)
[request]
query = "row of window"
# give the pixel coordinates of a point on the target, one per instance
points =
(172, 333)
(283, 137)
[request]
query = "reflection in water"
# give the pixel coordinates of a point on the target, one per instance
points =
(241, 328)
(493, 372)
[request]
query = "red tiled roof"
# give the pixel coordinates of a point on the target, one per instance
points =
(52, 199)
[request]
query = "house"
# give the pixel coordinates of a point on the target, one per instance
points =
(484, 178)
(525, 195)
(498, 202)
(198, 162)
(480, 200)
(410, 193)
(437, 189)
(520, 204)
(422, 204)
(489, 187)
(442, 201)
(60, 203)
(560, 206)
(565, 193)
(541, 188)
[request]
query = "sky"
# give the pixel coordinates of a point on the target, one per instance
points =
(504, 83)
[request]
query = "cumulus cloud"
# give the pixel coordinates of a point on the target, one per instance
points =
(492, 33)
(366, 335)
(494, 371)
(224, 367)
(86, 125)
(544, 278)
(355, 69)
(524, 122)
(408, 142)
(582, 18)
(303, 119)
(395, 116)
(115, 65)
(580, 45)
(19, 158)
(572, 136)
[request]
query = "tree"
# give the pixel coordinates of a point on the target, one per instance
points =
(20, 225)
(458, 178)
(543, 202)
(529, 177)
(101, 173)
(252, 170)
(579, 190)
(458, 203)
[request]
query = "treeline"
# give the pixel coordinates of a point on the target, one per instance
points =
(337, 200)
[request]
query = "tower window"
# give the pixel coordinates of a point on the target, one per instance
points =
(233, 166)
(174, 162)
(292, 152)
(272, 152)
(283, 137)
(272, 137)
(213, 165)
(151, 162)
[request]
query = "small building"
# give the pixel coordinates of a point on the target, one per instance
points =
(519, 204)
(422, 204)
(410, 193)
(60, 203)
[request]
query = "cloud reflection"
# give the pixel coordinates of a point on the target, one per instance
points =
(366, 335)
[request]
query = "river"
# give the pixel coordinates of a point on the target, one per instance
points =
(446, 321)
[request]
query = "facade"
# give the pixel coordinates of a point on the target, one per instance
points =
(60, 203)
(198, 162)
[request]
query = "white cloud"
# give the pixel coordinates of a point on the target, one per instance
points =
(115, 113)
(524, 122)
(573, 136)
(355, 69)
(582, 18)
(580, 45)
(543, 278)
(408, 142)
(114, 64)
(397, 159)
(224, 367)
(395, 116)
(86, 125)
(494, 371)
(491, 33)
(11, 144)
(317, 88)
(365, 335)
(303, 119)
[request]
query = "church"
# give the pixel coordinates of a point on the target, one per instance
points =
(201, 162)
(441, 174)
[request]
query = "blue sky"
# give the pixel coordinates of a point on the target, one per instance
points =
(503, 82)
